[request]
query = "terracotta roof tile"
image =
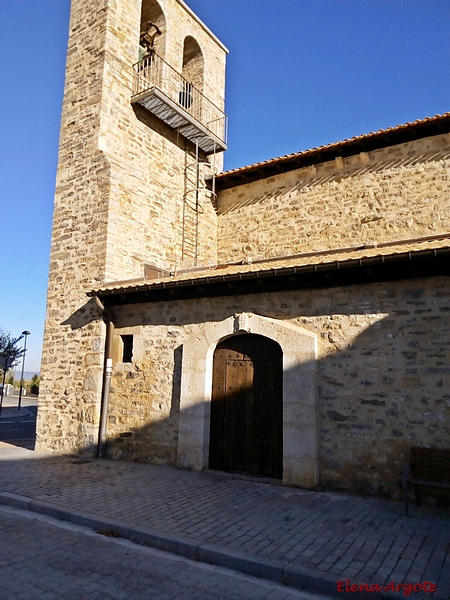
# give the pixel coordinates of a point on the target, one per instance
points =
(420, 127)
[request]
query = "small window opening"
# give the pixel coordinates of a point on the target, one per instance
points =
(127, 341)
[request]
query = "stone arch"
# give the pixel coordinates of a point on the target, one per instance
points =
(192, 73)
(193, 63)
(152, 11)
(300, 422)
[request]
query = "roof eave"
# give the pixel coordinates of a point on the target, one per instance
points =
(421, 263)
(408, 132)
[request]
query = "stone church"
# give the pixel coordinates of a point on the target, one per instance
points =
(288, 319)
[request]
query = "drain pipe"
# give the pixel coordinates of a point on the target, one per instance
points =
(107, 372)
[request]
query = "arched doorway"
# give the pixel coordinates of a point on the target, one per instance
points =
(246, 429)
(300, 421)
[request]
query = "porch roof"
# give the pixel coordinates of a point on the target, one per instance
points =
(388, 261)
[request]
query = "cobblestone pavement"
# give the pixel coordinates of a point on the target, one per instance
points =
(43, 559)
(368, 540)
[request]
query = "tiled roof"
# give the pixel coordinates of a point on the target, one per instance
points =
(328, 260)
(369, 141)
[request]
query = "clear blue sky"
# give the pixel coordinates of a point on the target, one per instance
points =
(301, 73)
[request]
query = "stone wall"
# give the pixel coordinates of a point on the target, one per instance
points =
(72, 358)
(118, 201)
(385, 195)
(383, 374)
(148, 159)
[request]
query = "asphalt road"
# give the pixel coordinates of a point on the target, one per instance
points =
(18, 429)
(45, 559)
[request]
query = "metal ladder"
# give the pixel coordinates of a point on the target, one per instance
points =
(193, 201)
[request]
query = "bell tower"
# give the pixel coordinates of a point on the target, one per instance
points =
(142, 134)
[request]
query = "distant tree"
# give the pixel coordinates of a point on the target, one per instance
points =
(34, 387)
(9, 347)
(11, 380)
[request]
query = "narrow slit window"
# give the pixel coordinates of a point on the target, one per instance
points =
(127, 341)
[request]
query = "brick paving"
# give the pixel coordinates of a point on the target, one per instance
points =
(368, 540)
(41, 559)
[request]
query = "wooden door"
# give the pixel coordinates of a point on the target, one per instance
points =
(246, 407)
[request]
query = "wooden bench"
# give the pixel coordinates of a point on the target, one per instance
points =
(427, 466)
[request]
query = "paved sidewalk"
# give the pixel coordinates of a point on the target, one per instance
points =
(304, 539)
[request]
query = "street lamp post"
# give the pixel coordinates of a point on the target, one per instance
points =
(24, 333)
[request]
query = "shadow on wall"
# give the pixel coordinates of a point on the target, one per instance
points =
(86, 314)
(378, 395)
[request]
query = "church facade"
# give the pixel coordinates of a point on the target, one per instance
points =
(287, 320)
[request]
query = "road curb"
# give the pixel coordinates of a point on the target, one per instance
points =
(15, 500)
(299, 578)
(166, 542)
(264, 568)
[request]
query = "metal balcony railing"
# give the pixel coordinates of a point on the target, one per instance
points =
(163, 91)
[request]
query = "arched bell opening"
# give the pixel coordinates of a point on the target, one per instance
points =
(246, 427)
(153, 30)
(192, 73)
